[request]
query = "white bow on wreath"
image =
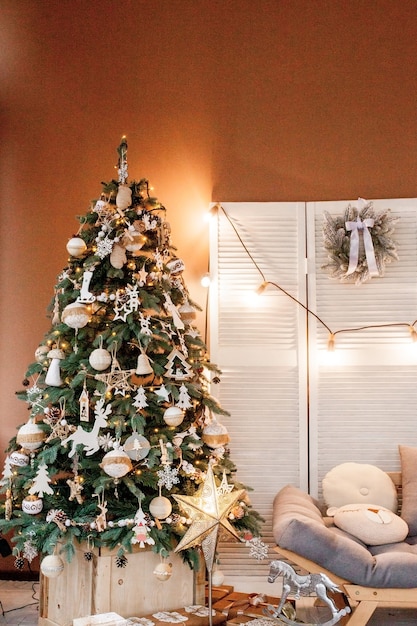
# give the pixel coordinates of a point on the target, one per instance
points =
(347, 259)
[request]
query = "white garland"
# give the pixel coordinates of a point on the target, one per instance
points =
(337, 243)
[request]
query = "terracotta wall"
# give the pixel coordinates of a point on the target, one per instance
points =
(220, 100)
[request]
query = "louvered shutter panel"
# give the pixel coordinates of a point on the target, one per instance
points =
(259, 349)
(364, 403)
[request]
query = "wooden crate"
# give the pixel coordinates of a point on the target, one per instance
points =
(99, 586)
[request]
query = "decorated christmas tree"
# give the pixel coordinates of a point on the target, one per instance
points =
(122, 423)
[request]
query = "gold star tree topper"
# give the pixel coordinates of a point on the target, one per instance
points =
(208, 510)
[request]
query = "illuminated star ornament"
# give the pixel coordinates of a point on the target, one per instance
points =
(208, 509)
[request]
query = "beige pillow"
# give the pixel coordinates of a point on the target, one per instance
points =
(374, 525)
(408, 457)
(359, 482)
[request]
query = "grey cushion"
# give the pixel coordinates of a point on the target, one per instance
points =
(298, 526)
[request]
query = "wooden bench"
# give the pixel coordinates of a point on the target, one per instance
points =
(362, 600)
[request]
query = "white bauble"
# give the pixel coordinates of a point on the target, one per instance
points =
(100, 359)
(30, 436)
(32, 505)
(19, 458)
(76, 246)
(52, 566)
(163, 571)
(75, 315)
(116, 463)
(137, 447)
(173, 416)
(217, 578)
(160, 507)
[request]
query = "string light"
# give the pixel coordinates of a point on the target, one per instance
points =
(331, 342)
(205, 281)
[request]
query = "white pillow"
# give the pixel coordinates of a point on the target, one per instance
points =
(374, 525)
(359, 482)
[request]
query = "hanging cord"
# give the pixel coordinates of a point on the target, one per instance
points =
(216, 208)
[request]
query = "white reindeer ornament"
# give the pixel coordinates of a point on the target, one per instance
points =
(89, 438)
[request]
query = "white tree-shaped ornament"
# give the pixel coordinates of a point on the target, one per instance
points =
(184, 400)
(140, 401)
(41, 483)
(7, 471)
(141, 530)
(177, 366)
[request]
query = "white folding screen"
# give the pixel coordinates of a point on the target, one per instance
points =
(293, 414)
(363, 402)
(259, 342)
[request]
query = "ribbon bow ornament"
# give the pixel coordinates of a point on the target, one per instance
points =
(355, 227)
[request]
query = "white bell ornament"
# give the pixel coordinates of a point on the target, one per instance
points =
(143, 367)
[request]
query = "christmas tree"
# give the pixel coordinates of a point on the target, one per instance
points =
(121, 417)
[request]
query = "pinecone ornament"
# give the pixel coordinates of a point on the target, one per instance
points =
(19, 563)
(121, 560)
(88, 556)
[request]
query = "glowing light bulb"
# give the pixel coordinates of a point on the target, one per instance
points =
(205, 281)
(413, 333)
(331, 343)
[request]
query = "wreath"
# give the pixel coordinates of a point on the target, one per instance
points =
(359, 243)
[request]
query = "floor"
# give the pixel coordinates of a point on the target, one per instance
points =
(20, 600)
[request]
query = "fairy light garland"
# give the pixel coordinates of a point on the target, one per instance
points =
(331, 342)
